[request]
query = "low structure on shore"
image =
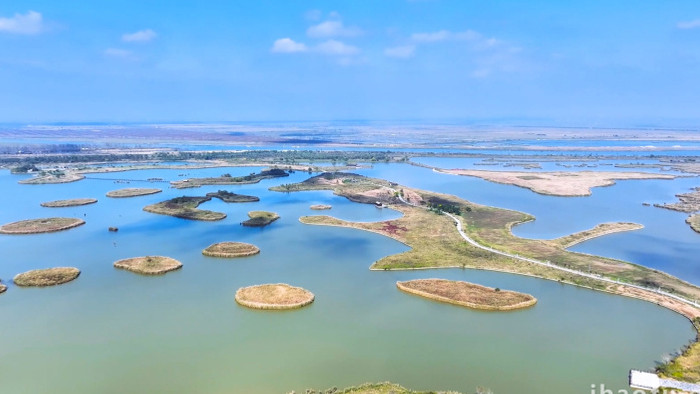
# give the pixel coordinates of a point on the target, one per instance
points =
(149, 265)
(43, 225)
(467, 294)
(231, 249)
(46, 277)
(274, 296)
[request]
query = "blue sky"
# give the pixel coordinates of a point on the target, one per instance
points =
(584, 63)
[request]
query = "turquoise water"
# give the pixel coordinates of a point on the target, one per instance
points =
(114, 331)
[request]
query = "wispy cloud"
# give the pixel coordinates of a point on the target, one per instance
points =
(402, 51)
(441, 35)
(332, 28)
(287, 45)
(139, 36)
(694, 24)
(30, 23)
(334, 47)
(313, 15)
(446, 35)
(119, 53)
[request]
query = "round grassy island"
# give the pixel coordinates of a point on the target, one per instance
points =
(260, 218)
(320, 207)
(69, 203)
(46, 277)
(231, 249)
(132, 192)
(274, 296)
(43, 225)
(149, 265)
(467, 294)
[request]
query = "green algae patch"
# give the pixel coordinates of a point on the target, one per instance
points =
(231, 249)
(149, 265)
(276, 296)
(185, 208)
(467, 294)
(43, 225)
(132, 192)
(46, 277)
(74, 202)
(260, 218)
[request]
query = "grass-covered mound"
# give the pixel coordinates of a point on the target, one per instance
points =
(186, 208)
(274, 296)
(47, 277)
(132, 192)
(231, 249)
(149, 265)
(260, 218)
(227, 196)
(467, 294)
(320, 207)
(43, 225)
(74, 202)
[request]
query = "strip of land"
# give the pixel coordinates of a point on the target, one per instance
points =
(53, 177)
(566, 184)
(274, 296)
(320, 207)
(74, 202)
(435, 243)
(227, 196)
(687, 202)
(46, 277)
(43, 225)
(227, 179)
(597, 231)
(132, 192)
(185, 208)
(385, 388)
(694, 222)
(149, 265)
(467, 294)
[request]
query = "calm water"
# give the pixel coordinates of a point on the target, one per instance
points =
(115, 331)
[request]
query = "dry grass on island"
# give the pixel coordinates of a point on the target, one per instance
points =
(149, 265)
(467, 294)
(132, 192)
(46, 277)
(687, 202)
(227, 196)
(320, 207)
(185, 208)
(55, 176)
(597, 231)
(43, 225)
(260, 218)
(74, 202)
(227, 179)
(231, 249)
(694, 222)
(384, 388)
(565, 184)
(274, 296)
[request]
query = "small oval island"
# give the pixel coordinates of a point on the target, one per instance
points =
(149, 265)
(132, 192)
(46, 277)
(274, 296)
(467, 294)
(231, 249)
(43, 225)
(260, 218)
(320, 207)
(74, 202)
(2, 288)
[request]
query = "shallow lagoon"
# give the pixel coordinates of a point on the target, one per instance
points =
(114, 331)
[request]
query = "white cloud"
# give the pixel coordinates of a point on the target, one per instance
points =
(333, 47)
(30, 23)
(694, 24)
(118, 53)
(441, 35)
(403, 51)
(139, 36)
(287, 45)
(333, 28)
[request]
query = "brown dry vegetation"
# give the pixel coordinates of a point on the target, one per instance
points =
(320, 207)
(230, 180)
(149, 265)
(185, 208)
(274, 296)
(132, 192)
(694, 222)
(557, 183)
(467, 294)
(687, 202)
(382, 388)
(231, 249)
(597, 231)
(46, 277)
(43, 225)
(69, 203)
